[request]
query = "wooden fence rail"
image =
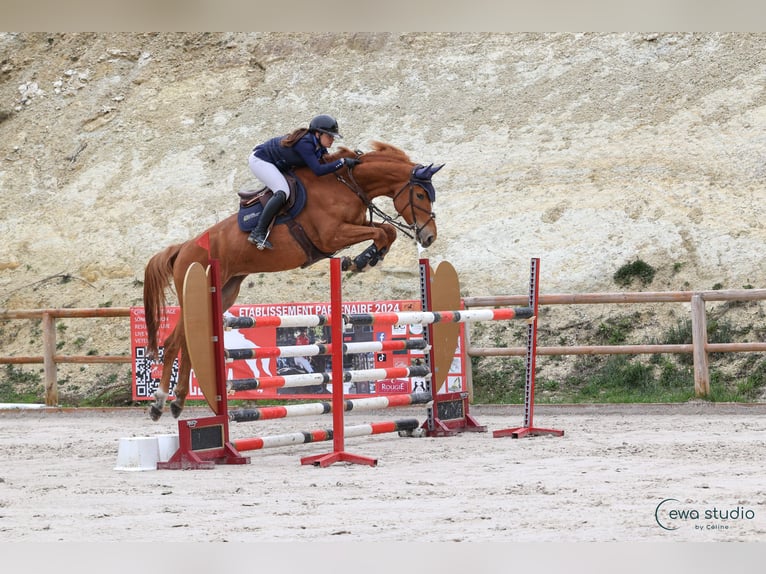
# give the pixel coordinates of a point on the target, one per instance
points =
(49, 358)
(700, 348)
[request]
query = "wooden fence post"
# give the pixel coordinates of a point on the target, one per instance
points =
(699, 343)
(49, 362)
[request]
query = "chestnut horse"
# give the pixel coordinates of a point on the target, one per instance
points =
(335, 217)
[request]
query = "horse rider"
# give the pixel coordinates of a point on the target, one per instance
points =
(271, 159)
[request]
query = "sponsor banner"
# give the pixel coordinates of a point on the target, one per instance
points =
(146, 373)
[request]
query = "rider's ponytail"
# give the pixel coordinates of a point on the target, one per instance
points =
(291, 139)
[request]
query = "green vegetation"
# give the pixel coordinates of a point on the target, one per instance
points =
(20, 386)
(615, 330)
(619, 379)
(112, 391)
(615, 379)
(638, 269)
(503, 383)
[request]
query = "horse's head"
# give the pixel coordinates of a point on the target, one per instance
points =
(414, 203)
(387, 170)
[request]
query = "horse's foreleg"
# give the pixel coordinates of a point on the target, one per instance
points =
(369, 256)
(375, 252)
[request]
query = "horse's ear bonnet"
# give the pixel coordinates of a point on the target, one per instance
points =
(421, 175)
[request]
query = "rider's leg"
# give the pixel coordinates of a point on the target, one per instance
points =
(270, 175)
(258, 235)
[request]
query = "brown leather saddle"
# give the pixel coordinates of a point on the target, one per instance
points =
(248, 199)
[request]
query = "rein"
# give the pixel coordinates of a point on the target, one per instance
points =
(410, 230)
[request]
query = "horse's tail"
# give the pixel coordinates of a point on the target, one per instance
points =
(157, 277)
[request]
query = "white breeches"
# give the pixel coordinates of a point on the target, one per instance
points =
(269, 175)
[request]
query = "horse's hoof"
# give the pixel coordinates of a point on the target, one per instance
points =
(175, 410)
(346, 263)
(155, 413)
(361, 262)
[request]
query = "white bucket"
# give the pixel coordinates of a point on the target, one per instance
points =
(138, 453)
(168, 445)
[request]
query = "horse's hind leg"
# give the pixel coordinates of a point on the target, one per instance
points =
(182, 386)
(175, 342)
(160, 396)
(163, 390)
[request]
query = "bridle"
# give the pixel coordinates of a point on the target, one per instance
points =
(410, 230)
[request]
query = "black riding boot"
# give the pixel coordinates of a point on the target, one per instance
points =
(258, 235)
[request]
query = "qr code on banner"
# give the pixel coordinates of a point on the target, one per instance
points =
(147, 373)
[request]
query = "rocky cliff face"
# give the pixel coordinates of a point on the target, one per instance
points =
(586, 150)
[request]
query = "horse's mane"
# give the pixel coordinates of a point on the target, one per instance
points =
(390, 151)
(380, 150)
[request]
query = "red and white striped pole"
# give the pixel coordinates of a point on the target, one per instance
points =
(325, 349)
(322, 408)
(256, 443)
(401, 318)
(239, 385)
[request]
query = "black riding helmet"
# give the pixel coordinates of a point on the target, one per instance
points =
(325, 124)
